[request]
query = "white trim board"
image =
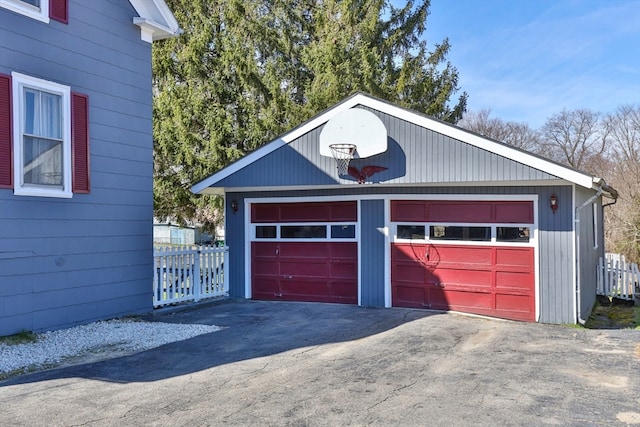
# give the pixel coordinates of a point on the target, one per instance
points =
(563, 172)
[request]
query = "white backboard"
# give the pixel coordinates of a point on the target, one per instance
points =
(354, 126)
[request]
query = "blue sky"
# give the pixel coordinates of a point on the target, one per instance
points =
(526, 60)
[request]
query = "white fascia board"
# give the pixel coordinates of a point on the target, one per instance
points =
(155, 20)
(565, 173)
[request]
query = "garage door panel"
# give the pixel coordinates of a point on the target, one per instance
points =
(404, 253)
(308, 267)
(414, 273)
(264, 249)
(474, 278)
(514, 281)
(520, 257)
(409, 296)
(265, 267)
(265, 288)
(348, 270)
(463, 300)
(513, 303)
(463, 254)
(303, 250)
(343, 250)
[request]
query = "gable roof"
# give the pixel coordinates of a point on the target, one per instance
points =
(359, 99)
(156, 21)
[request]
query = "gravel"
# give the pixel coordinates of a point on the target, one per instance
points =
(112, 336)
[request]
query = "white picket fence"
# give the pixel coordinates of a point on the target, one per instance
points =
(618, 278)
(189, 273)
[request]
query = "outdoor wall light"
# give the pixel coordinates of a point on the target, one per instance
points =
(234, 206)
(553, 202)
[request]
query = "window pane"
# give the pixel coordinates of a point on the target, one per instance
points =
(36, 3)
(343, 231)
(42, 161)
(266, 232)
(445, 232)
(303, 231)
(42, 114)
(50, 118)
(411, 232)
(512, 234)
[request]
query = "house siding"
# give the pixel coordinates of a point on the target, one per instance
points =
(555, 238)
(435, 158)
(70, 261)
(372, 249)
(588, 253)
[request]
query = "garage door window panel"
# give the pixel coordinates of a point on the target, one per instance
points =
(460, 233)
(303, 231)
(411, 232)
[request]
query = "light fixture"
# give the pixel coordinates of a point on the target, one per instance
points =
(234, 206)
(553, 202)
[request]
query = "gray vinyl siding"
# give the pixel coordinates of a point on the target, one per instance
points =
(70, 261)
(372, 242)
(414, 155)
(555, 237)
(588, 255)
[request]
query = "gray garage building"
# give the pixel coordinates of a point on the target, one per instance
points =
(422, 214)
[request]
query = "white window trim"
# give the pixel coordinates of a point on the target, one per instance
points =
(19, 81)
(328, 225)
(39, 13)
(493, 241)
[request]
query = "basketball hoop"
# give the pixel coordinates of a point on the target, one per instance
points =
(343, 153)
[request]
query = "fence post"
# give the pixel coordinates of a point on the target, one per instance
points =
(197, 280)
(226, 269)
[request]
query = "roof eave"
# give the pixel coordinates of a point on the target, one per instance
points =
(156, 21)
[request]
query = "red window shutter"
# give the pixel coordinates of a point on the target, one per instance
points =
(80, 142)
(6, 172)
(59, 10)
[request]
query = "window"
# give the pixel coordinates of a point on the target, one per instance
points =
(414, 232)
(343, 231)
(454, 232)
(36, 9)
(28, 152)
(512, 234)
(41, 137)
(303, 231)
(265, 232)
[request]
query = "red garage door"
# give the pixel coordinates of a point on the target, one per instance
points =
(472, 257)
(305, 252)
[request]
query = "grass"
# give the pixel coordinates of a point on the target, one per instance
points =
(614, 314)
(22, 337)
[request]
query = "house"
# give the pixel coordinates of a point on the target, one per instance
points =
(418, 213)
(170, 234)
(76, 203)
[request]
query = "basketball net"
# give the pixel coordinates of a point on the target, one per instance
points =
(343, 153)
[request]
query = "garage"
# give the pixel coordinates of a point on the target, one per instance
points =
(304, 252)
(470, 256)
(373, 204)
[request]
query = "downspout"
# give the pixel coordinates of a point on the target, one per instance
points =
(578, 264)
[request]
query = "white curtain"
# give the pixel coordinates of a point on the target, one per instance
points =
(42, 138)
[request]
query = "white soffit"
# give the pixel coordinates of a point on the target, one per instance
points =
(568, 174)
(156, 21)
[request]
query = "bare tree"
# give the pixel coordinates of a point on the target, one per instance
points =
(518, 135)
(576, 138)
(623, 218)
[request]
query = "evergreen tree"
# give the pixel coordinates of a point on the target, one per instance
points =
(244, 72)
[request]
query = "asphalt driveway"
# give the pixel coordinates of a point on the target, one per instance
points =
(323, 364)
